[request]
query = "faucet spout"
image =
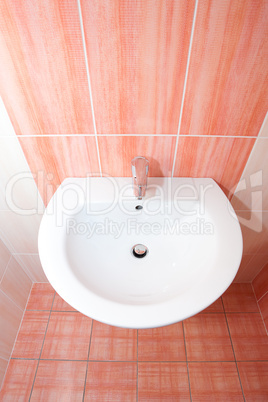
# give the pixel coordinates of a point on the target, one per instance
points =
(140, 168)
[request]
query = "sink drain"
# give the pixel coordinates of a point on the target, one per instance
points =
(139, 250)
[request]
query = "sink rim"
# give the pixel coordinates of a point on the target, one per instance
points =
(126, 315)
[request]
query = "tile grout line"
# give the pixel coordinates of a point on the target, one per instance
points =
(184, 86)
(266, 329)
(233, 352)
(137, 371)
(89, 345)
(189, 382)
(42, 347)
(89, 82)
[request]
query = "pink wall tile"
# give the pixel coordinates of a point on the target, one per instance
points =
(4, 258)
(116, 154)
(33, 267)
(43, 77)
(10, 319)
(222, 159)
(137, 55)
(260, 283)
(3, 367)
(16, 284)
(250, 265)
(52, 159)
(227, 84)
(263, 304)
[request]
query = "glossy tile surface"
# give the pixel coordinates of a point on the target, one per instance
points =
(138, 90)
(163, 382)
(16, 284)
(166, 343)
(113, 343)
(158, 150)
(52, 159)
(222, 159)
(67, 337)
(10, 319)
(3, 368)
(31, 335)
(250, 265)
(263, 304)
(239, 297)
(260, 283)
(59, 381)
(43, 80)
(254, 379)
(249, 337)
(41, 297)
(111, 382)
(18, 380)
(33, 267)
(4, 258)
(218, 381)
(216, 307)
(207, 338)
(229, 37)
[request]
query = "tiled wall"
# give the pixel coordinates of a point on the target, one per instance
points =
(260, 286)
(19, 261)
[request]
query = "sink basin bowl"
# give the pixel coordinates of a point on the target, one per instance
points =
(140, 263)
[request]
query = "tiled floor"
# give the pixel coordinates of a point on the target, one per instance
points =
(220, 354)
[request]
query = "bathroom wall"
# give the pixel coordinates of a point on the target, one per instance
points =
(19, 261)
(260, 286)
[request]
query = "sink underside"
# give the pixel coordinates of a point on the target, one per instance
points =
(194, 251)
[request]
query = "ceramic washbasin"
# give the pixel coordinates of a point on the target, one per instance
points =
(188, 226)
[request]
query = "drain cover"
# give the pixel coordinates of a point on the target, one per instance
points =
(139, 250)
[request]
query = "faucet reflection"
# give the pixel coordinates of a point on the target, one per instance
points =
(140, 168)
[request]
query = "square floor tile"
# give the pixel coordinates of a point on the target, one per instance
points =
(240, 298)
(163, 382)
(216, 307)
(111, 381)
(217, 381)
(18, 382)
(41, 297)
(207, 338)
(113, 343)
(254, 378)
(60, 305)
(165, 343)
(59, 381)
(31, 335)
(260, 283)
(249, 337)
(67, 337)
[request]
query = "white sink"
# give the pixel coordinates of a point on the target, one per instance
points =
(91, 225)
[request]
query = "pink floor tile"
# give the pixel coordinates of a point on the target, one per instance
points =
(67, 337)
(217, 381)
(165, 343)
(31, 335)
(215, 307)
(254, 378)
(41, 297)
(249, 337)
(240, 298)
(18, 381)
(60, 305)
(207, 338)
(163, 382)
(111, 381)
(59, 381)
(113, 343)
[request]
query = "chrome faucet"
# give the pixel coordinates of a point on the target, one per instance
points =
(140, 168)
